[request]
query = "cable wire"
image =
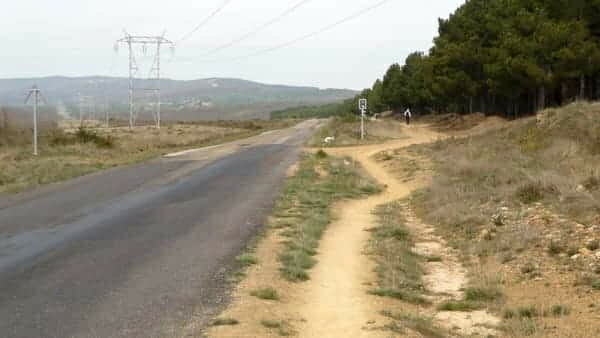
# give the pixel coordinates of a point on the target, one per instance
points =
(205, 21)
(309, 35)
(258, 29)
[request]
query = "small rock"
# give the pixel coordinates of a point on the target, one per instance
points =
(575, 257)
(592, 244)
(597, 255)
(580, 188)
(486, 235)
(498, 219)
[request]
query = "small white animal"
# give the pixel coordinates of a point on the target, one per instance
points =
(329, 139)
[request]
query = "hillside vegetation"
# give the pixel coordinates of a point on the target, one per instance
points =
(323, 111)
(522, 203)
(500, 56)
(203, 99)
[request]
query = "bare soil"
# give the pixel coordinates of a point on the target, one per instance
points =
(335, 301)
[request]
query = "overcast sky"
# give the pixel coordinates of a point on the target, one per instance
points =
(76, 38)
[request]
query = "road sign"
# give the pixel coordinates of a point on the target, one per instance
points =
(362, 105)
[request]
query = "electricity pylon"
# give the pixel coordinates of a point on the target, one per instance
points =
(158, 42)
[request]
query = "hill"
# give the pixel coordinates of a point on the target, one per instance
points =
(520, 201)
(184, 100)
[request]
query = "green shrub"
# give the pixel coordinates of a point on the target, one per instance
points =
(555, 248)
(271, 324)
(530, 193)
(224, 322)
(86, 136)
(527, 312)
(482, 294)
(321, 154)
(405, 296)
(247, 260)
(459, 306)
(592, 183)
(528, 268)
(266, 293)
(560, 310)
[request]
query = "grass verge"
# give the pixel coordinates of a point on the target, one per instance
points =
(281, 328)
(346, 132)
(266, 294)
(420, 323)
(399, 269)
(66, 154)
(225, 322)
(304, 209)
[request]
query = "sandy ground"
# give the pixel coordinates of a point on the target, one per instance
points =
(335, 302)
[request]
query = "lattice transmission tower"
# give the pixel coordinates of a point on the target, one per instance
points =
(154, 77)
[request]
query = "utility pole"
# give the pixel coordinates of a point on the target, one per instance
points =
(159, 41)
(157, 69)
(85, 108)
(362, 106)
(106, 108)
(36, 93)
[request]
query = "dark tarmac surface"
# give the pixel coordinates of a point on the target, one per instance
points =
(141, 251)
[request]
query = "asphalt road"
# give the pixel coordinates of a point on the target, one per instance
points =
(141, 251)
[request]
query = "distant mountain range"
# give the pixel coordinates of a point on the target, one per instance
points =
(183, 100)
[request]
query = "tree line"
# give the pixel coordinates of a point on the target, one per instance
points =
(509, 57)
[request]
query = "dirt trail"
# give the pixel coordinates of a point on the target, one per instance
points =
(335, 300)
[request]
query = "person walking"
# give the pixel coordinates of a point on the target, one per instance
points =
(407, 115)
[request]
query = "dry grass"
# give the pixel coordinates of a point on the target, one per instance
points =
(420, 323)
(346, 131)
(522, 199)
(304, 212)
(70, 153)
(399, 269)
(528, 162)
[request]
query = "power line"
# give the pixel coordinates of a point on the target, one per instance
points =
(205, 21)
(259, 28)
(309, 35)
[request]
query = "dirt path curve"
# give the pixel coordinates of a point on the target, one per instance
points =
(335, 302)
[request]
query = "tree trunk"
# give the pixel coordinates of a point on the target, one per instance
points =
(471, 105)
(581, 88)
(541, 98)
(564, 94)
(482, 104)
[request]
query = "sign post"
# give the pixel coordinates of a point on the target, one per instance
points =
(362, 106)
